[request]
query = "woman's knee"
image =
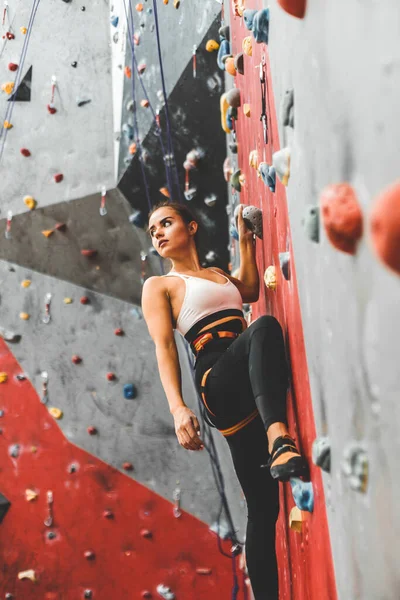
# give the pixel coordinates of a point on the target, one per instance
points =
(266, 322)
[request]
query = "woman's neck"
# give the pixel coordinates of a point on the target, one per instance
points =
(188, 262)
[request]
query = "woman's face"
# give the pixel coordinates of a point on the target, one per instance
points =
(169, 232)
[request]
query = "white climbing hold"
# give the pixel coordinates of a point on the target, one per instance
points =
(165, 592)
(29, 574)
(281, 163)
(270, 278)
(252, 217)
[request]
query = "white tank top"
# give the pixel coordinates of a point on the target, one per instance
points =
(203, 298)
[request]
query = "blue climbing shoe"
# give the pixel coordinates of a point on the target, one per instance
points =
(293, 467)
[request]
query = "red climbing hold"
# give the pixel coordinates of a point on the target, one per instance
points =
(127, 466)
(52, 110)
(10, 36)
(108, 514)
(146, 594)
(119, 331)
(342, 216)
(128, 72)
(91, 430)
(89, 555)
(146, 533)
(76, 359)
(25, 152)
(296, 8)
(84, 300)
(89, 252)
(12, 67)
(60, 226)
(111, 376)
(385, 227)
(203, 571)
(58, 177)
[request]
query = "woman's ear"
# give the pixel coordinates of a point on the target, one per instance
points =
(193, 227)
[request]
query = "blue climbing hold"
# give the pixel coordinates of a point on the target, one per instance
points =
(224, 50)
(248, 17)
(136, 218)
(261, 26)
(268, 175)
(130, 392)
(128, 132)
(114, 20)
(303, 494)
(233, 232)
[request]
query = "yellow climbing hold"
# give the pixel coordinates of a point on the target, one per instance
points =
(223, 104)
(246, 110)
(23, 30)
(26, 283)
(3, 377)
(30, 495)
(30, 202)
(55, 412)
(247, 46)
(253, 159)
(67, 300)
(296, 519)
(177, 3)
(24, 316)
(8, 87)
(212, 45)
(270, 278)
(48, 232)
(33, 449)
(29, 574)
(8, 125)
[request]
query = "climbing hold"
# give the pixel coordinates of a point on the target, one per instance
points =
(281, 163)
(30, 202)
(141, 68)
(84, 300)
(177, 3)
(91, 430)
(284, 260)
(10, 36)
(260, 26)
(127, 466)
(29, 574)
(8, 87)
(253, 158)
(224, 50)
(25, 152)
(236, 181)
(30, 495)
(248, 17)
(303, 494)
(89, 555)
(224, 32)
(233, 147)
(133, 148)
(60, 226)
(296, 519)
(287, 109)
(355, 467)
(146, 593)
(230, 66)
(210, 200)
(127, 130)
(23, 30)
(321, 453)
(310, 223)
(119, 331)
(88, 594)
(247, 46)
(252, 216)
(48, 232)
(14, 450)
(128, 71)
(88, 252)
(238, 7)
(165, 592)
(12, 67)
(68, 301)
(7, 125)
(26, 283)
(233, 97)
(114, 20)
(130, 391)
(212, 45)
(342, 216)
(296, 8)
(111, 376)
(80, 102)
(108, 514)
(239, 63)
(74, 64)
(233, 232)
(139, 7)
(76, 359)
(385, 227)
(3, 377)
(24, 316)
(145, 103)
(51, 109)
(55, 412)
(165, 192)
(137, 218)
(270, 278)
(203, 571)
(246, 110)
(146, 533)
(224, 110)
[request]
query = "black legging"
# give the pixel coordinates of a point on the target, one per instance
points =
(247, 373)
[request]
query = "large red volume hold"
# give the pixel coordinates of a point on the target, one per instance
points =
(296, 8)
(342, 216)
(385, 227)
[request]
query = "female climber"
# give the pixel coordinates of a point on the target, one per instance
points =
(241, 373)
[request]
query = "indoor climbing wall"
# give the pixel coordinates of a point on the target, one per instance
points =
(92, 469)
(320, 157)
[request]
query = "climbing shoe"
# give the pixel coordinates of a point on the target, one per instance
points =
(295, 466)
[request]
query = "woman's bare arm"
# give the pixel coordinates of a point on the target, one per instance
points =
(157, 313)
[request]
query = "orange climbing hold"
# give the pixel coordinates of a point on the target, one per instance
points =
(164, 191)
(8, 125)
(48, 232)
(385, 227)
(212, 45)
(128, 72)
(145, 103)
(296, 8)
(8, 87)
(133, 148)
(139, 7)
(247, 45)
(342, 216)
(230, 66)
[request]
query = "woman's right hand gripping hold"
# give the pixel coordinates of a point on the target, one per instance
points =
(158, 316)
